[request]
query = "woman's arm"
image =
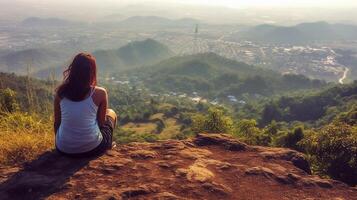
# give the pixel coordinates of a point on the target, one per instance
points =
(57, 113)
(103, 105)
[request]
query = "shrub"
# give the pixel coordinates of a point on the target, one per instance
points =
(8, 100)
(248, 131)
(334, 150)
(291, 139)
(214, 122)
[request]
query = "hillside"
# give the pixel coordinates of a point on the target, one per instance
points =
(301, 33)
(30, 93)
(207, 167)
(134, 54)
(33, 59)
(316, 107)
(210, 73)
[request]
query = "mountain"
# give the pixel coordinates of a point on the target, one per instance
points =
(210, 166)
(34, 59)
(301, 33)
(214, 74)
(155, 21)
(134, 54)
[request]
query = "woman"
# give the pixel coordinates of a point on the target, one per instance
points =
(83, 124)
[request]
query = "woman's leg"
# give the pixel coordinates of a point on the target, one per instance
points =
(113, 115)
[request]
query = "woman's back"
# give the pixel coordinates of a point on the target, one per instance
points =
(79, 131)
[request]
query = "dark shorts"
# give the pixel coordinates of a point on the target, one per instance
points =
(107, 133)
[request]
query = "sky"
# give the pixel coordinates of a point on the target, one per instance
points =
(274, 3)
(225, 3)
(247, 11)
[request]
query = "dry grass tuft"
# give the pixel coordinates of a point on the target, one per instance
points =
(23, 137)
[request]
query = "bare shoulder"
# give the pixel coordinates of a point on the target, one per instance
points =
(100, 95)
(100, 91)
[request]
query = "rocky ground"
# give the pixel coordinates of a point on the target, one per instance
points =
(207, 167)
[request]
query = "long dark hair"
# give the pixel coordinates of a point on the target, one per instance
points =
(78, 78)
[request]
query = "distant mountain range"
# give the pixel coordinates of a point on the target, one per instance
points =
(134, 54)
(211, 74)
(155, 21)
(301, 33)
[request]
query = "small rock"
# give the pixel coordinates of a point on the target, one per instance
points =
(181, 172)
(199, 173)
(217, 188)
(224, 166)
(259, 171)
(137, 191)
(163, 164)
(142, 154)
(166, 196)
(77, 196)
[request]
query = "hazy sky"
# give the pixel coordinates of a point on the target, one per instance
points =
(227, 3)
(252, 12)
(293, 3)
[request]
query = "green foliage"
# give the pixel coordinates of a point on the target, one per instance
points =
(124, 137)
(8, 101)
(160, 125)
(290, 139)
(184, 135)
(214, 122)
(248, 132)
(333, 148)
(215, 76)
(324, 105)
(349, 117)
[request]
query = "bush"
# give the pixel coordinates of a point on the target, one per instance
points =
(214, 122)
(160, 125)
(291, 139)
(333, 148)
(248, 132)
(8, 100)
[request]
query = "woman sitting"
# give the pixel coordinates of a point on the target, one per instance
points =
(83, 124)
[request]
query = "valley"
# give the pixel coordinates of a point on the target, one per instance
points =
(318, 59)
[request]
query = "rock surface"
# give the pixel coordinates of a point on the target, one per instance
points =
(208, 167)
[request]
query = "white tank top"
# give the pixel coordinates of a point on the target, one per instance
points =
(79, 131)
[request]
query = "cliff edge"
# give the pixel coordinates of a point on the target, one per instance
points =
(210, 166)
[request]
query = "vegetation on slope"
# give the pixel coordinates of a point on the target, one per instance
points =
(214, 76)
(134, 54)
